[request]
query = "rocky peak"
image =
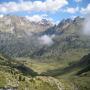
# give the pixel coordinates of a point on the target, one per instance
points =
(45, 22)
(8, 23)
(65, 22)
(78, 19)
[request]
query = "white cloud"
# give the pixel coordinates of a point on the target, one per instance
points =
(48, 5)
(1, 15)
(55, 4)
(78, 1)
(71, 10)
(37, 18)
(85, 10)
(86, 28)
(46, 40)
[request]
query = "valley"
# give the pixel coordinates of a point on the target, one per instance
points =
(54, 57)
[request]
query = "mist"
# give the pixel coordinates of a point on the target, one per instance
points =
(46, 40)
(86, 27)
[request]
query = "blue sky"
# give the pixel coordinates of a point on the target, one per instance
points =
(54, 10)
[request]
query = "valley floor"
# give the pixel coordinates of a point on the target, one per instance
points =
(41, 75)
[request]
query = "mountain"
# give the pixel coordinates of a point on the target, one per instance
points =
(16, 24)
(19, 36)
(43, 56)
(68, 38)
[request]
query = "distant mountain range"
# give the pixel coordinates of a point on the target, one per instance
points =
(19, 37)
(15, 24)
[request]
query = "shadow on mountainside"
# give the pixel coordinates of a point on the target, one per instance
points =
(83, 65)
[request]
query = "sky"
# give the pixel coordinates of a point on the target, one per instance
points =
(53, 10)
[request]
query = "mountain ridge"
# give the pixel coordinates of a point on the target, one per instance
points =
(48, 41)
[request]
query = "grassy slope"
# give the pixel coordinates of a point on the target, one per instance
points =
(65, 71)
(12, 76)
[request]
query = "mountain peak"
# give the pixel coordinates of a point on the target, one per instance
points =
(45, 22)
(21, 24)
(65, 21)
(78, 19)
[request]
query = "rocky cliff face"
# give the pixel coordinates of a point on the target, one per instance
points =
(18, 24)
(20, 37)
(68, 35)
(18, 33)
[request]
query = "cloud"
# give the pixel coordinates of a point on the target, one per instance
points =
(71, 10)
(48, 5)
(85, 10)
(78, 1)
(37, 18)
(1, 15)
(46, 40)
(86, 28)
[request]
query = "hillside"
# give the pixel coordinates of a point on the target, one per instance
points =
(80, 67)
(14, 74)
(17, 74)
